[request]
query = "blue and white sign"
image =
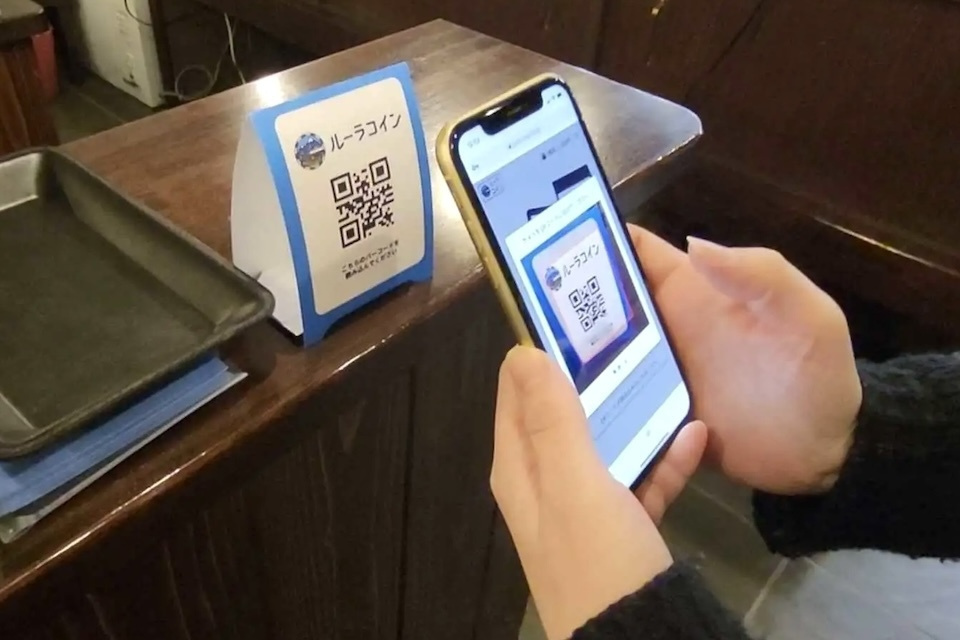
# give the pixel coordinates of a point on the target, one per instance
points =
(331, 199)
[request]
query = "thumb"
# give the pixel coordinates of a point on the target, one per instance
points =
(670, 476)
(549, 414)
(760, 278)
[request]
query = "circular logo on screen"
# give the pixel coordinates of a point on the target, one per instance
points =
(553, 278)
(310, 151)
(485, 191)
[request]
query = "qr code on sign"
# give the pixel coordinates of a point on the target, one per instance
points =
(364, 201)
(589, 304)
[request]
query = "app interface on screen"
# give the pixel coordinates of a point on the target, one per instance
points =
(556, 226)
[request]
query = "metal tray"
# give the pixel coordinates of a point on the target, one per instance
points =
(99, 299)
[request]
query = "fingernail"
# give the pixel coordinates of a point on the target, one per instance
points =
(524, 366)
(694, 241)
(707, 249)
(513, 362)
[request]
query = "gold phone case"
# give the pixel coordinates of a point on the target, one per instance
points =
(471, 217)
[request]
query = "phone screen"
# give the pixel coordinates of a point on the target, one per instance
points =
(546, 205)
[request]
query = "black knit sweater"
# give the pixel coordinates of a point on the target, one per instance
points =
(895, 493)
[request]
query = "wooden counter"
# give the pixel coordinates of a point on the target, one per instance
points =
(832, 128)
(342, 492)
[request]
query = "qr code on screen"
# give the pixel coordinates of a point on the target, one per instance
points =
(589, 304)
(364, 201)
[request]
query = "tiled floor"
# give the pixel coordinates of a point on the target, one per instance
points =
(851, 595)
(93, 106)
(710, 528)
(864, 595)
(722, 544)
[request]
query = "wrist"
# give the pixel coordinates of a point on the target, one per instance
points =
(839, 451)
(836, 459)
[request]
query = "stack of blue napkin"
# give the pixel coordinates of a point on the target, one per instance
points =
(33, 486)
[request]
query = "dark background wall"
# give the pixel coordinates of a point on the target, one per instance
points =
(832, 127)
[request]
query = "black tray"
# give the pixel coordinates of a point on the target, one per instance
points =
(99, 299)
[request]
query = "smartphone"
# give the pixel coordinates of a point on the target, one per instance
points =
(539, 209)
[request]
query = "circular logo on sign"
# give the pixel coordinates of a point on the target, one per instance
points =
(310, 151)
(553, 278)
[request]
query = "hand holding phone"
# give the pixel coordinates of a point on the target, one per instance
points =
(768, 355)
(584, 540)
(539, 209)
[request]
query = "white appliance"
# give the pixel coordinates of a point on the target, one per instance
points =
(121, 48)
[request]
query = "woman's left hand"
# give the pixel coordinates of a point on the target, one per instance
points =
(584, 540)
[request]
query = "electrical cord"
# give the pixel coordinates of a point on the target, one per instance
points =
(212, 78)
(231, 32)
(126, 5)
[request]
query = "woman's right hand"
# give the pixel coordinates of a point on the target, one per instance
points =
(768, 357)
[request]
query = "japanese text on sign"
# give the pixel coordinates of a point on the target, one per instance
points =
(364, 130)
(370, 259)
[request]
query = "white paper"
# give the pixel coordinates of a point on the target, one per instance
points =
(387, 142)
(258, 231)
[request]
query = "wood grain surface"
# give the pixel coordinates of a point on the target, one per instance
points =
(832, 133)
(342, 492)
(831, 125)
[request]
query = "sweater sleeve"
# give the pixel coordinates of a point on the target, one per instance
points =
(676, 605)
(897, 491)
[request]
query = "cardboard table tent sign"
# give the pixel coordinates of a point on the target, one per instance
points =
(332, 205)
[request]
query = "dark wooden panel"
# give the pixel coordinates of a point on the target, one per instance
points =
(452, 507)
(829, 124)
(568, 30)
(749, 209)
(505, 589)
(329, 519)
(201, 580)
(728, 206)
(213, 564)
(857, 109)
(307, 547)
(665, 46)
